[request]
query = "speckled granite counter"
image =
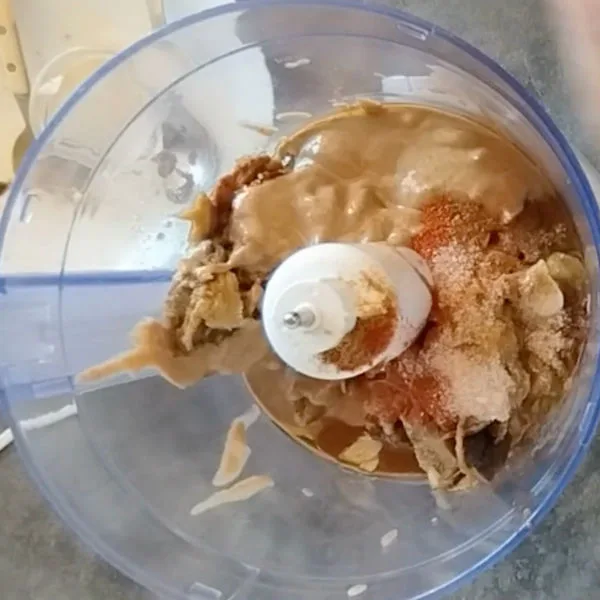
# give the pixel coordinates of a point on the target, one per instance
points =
(40, 560)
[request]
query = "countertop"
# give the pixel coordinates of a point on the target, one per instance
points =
(41, 560)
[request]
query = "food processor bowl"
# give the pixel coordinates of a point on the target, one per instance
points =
(90, 238)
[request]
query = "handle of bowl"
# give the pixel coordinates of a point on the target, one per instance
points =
(11, 58)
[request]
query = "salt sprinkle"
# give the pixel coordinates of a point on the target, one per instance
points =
(356, 590)
(388, 538)
(479, 387)
(453, 265)
(308, 493)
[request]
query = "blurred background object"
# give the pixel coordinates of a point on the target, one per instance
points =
(47, 48)
(14, 79)
(12, 125)
(65, 41)
(576, 24)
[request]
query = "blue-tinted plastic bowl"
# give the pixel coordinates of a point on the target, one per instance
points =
(88, 245)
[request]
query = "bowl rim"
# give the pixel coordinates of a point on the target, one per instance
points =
(577, 178)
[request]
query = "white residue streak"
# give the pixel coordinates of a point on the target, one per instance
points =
(51, 87)
(292, 114)
(6, 437)
(49, 418)
(356, 590)
(308, 493)
(389, 538)
(294, 64)
(250, 416)
(242, 490)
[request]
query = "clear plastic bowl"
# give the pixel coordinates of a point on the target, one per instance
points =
(89, 242)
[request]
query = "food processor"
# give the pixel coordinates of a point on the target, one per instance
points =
(90, 238)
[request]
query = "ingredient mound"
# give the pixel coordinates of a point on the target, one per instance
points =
(509, 287)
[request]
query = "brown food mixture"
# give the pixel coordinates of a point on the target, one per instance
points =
(488, 366)
(509, 286)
